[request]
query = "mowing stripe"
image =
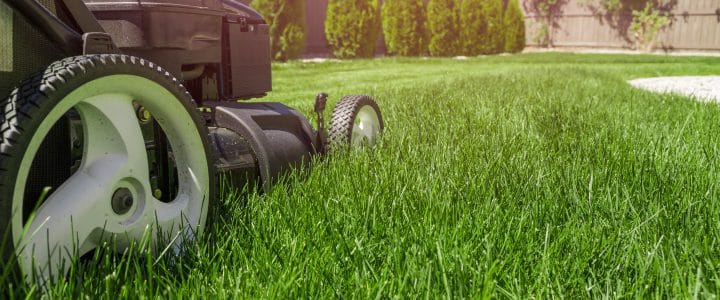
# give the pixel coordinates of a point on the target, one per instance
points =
(6, 38)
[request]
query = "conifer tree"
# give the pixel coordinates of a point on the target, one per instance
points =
(514, 27)
(443, 26)
(352, 27)
(403, 23)
(481, 26)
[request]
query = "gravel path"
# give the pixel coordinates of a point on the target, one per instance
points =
(705, 88)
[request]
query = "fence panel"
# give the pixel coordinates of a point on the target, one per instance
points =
(694, 26)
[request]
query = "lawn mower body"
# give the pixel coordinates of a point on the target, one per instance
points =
(119, 116)
(219, 49)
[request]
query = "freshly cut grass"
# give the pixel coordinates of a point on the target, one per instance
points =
(537, 175)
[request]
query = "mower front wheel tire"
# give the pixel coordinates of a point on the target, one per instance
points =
(356, 122)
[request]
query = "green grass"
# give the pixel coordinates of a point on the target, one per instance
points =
(538, 175)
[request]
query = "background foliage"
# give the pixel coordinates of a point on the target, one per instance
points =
(482, 26)
(443, 25)
(645, 26)
(403, 23)
(352, 27)
(495, 35)
(514, 27)
(287, 26)
(443, 28)
(473, 26)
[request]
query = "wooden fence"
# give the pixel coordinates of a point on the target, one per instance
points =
(694, 26)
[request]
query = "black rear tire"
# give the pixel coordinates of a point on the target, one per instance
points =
(25, 115)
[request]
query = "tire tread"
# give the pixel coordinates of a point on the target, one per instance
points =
(22, 111)
(343, 117)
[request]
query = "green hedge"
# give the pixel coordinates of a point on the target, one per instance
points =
(496, 33)
(352, 27)
(443, 26)
(473, 26)
(481, 26)
(403, 23)
(287, 26)
(514, 27)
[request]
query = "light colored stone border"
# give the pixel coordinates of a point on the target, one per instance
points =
(704, 88)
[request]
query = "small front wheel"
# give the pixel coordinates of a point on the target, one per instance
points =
(356, 122)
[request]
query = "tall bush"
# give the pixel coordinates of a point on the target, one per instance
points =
(482, 27)
(352, 27)
(496, 32)
(514, 27)
(443, 26)
(287, 26)
(473, 26)
(403, 23)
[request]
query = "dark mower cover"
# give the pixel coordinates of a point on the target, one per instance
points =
(118, 111)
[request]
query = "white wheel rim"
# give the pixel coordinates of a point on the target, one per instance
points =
(72, 220)
(366, 127)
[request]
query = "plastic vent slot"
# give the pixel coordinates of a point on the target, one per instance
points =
(6, 38)
(50, 5)
(24, 48)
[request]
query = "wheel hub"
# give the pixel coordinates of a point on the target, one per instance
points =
(122, 201)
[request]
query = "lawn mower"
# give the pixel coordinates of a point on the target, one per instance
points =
(121, 115)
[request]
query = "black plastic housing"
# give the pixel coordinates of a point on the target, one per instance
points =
(170, 33)
(279, 137)
(177, 33)
(246, 65)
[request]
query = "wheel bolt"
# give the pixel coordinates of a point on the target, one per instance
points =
(143, 115)
(122, 201)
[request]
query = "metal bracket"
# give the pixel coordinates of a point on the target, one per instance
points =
(243, 24)
(98, 43)
(320, 101)
(82, 16)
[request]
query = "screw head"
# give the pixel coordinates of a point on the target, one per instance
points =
(143, 115)
(122, 201)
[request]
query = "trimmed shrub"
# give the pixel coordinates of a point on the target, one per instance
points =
(443, 26)
(473, 26)
(352, 27)
(482, 26)
(287, 26)
(496, 32)
(403, 23)
(514, 27)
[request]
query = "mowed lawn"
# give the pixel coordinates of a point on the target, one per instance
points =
(535, 175)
